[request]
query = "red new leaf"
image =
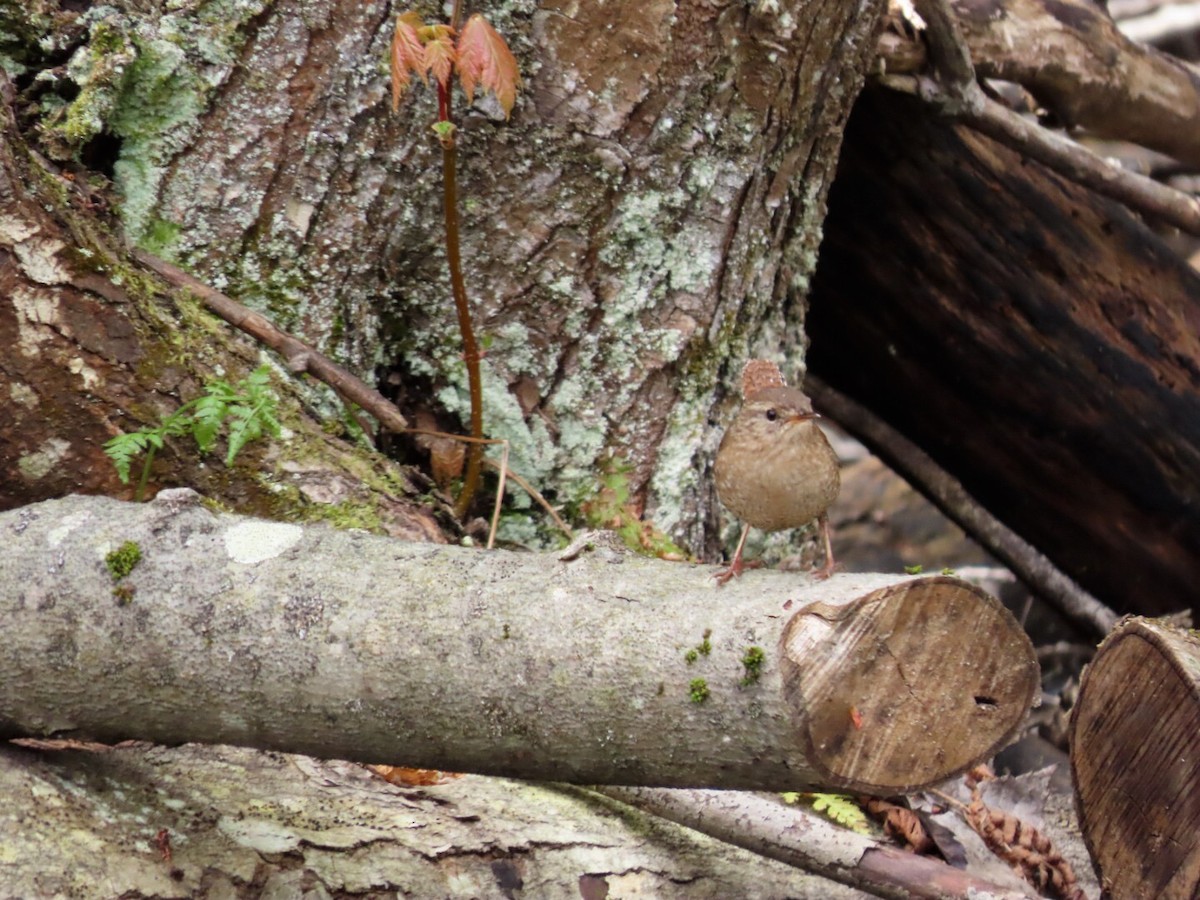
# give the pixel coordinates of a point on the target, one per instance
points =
(408, 54)
(485, 60)
(440, 56)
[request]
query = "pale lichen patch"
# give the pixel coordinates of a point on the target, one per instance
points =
(78, 367)
(23, 395)
(253, 542)
(260, 835)
(41, 462)
(33, 309)
(39, 260)
(68, 524)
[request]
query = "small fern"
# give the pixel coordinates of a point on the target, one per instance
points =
(249, 407)
(835, 807)
(841, 809)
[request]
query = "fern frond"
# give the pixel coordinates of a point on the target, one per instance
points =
(125, 448)
(841, 809)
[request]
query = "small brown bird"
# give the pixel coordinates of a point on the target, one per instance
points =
(775, 468)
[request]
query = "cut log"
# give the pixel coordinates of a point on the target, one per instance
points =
(596, 669)
(1136, 763)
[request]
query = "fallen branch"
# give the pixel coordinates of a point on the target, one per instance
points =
(1076, 63)
(763, 824)
(948, 494)
(965, 102)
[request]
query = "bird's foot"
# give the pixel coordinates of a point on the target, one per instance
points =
(826, 570)
(736, 568)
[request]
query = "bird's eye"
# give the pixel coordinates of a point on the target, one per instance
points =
(772, 415)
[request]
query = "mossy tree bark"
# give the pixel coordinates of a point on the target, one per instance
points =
(96, 347)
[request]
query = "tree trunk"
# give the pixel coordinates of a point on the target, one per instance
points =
(1038, 342)
(629, 235)
(1134, 761)
(600, 669)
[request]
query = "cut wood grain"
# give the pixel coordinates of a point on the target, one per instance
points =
(1136, 762)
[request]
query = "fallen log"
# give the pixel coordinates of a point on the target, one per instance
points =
(170, 623)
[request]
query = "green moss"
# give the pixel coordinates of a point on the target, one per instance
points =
(698, 690)
(123, 594)
(691, 656)
(145, 76)
(752, 661)
(611, 507)
(123, 560)
(160, 237)
(362, 514)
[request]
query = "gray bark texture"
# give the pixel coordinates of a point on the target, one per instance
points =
(241, 824)
(603, 668)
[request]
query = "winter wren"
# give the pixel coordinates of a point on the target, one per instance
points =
(775, 468)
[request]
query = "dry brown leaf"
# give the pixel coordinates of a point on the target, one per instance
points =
(901, 823)
(405, 777)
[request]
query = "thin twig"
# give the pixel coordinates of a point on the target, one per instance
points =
(499, 495)
(948, 53)
(948, 494)
(532, 492)
(302, 358)
(504, 471)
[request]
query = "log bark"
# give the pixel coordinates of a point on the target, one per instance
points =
(350, 646)
(1036, 342)
(243, 824)
(1134, 760)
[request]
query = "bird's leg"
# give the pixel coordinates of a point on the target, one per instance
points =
(826, 570)
(737, 566)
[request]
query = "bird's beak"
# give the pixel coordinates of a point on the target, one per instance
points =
(803, 417)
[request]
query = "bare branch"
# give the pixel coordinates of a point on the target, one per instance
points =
(1076, 62)
(299, 355)
(763, 824)
(948, 494)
